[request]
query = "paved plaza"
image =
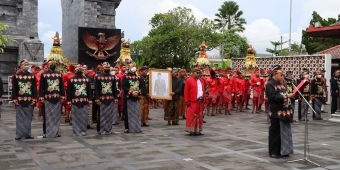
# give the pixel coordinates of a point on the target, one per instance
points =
(237, 142)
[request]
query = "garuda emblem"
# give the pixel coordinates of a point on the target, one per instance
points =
(101, 46)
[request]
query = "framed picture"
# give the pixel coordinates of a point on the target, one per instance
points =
(160, 85)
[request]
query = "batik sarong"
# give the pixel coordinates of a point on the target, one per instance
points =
(79, 120)
(52, 119)
(105, 118)
(24, 117)
(133, 110)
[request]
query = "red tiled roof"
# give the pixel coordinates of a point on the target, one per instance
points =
(334, 51)
(326, 31)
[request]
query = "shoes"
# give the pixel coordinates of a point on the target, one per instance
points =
(175, 124)
(323, 111)
(126, 131)
(169, 123)
(115, 124)
(58, 136)
(275, 156)
(204, 121)
(199, 134)
(29, 137)
(145, 125)
(17, 138)
(184, 117)
(149, 118)
(284, 156)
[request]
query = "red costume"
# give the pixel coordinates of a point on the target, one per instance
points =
(240, 90)
(195, 106)
(226, 93)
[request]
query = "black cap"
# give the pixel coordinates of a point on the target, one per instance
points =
(277, 67)
(143, 68)
(305, 70)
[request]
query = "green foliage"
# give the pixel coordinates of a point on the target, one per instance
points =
(234, 45)
(229, 17)
(294, 49)
(3, 39)
(316, 44)
(174, 38)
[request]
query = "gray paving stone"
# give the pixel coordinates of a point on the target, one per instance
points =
(238, 141)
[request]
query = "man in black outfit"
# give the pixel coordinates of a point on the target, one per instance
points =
(335, 83)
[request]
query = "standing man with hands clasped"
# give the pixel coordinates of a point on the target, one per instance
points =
(280, 134)
(24, 97)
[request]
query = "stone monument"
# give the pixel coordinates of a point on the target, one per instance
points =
(21, 16)
(84, 13)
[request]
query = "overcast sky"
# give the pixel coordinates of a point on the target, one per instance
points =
(267, 20)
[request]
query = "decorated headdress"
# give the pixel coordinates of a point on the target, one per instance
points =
(105, 64)
(79, 67)
(202, 60)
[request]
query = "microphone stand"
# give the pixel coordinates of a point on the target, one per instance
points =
(306, 145)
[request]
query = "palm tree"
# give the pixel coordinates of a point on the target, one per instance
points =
(230, 17)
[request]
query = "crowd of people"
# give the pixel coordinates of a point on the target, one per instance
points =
(111, 93)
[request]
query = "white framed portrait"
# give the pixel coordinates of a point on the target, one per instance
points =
(160, 85)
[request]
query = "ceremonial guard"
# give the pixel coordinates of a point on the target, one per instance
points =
(256, 82)
(317, 94)
(114, 72)
(181, 103)
(66, 77)
(132, 92)
(335, 90)
(52, 93)
(213, 84)
(240, 89)
(24, 97)
(1, 92)
(144, 100)
(78, 96)
(194, 94)
(105, 95)
(306, 94)
(172, 113)
(280, 135)
(226, 96)
(290, 83)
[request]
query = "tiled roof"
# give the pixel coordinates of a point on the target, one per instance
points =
(334, 51)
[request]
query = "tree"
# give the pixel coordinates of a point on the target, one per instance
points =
(274, 51)
(234, 46)
(230, 17)
(316, 44)
(174, 38)
(3, 39)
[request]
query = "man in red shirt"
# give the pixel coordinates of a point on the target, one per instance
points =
(256, 83)
(194, 93)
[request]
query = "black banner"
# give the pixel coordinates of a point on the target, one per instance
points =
(97, 45)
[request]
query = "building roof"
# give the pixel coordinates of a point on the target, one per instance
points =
(334, 51)
(332, 31)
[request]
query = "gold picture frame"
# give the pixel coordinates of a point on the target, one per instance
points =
(160, 84)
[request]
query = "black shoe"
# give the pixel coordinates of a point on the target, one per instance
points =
(285, 156)
(89, 127)
(204, 121)
(199, 134)
(145, 125)
(323, 111)
(115, 124)
(184, 117)
(17, 138)
(58, 136)
(149, 118)
(169, 123)
(275, 156)
(29, 137)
